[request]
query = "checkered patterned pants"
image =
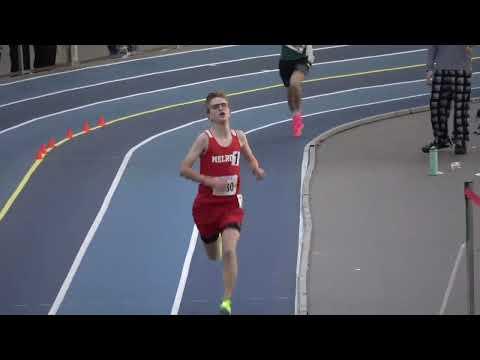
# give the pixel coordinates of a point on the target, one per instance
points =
(448, 85)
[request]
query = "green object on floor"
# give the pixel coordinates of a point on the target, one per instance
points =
(433, 157)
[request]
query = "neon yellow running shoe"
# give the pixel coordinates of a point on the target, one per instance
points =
(226, 307)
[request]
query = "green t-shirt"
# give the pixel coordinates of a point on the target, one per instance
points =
(290, 54)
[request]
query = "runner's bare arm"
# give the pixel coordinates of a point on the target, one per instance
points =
(248, 153)
(186, 169)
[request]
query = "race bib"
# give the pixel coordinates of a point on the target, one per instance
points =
(231, 187)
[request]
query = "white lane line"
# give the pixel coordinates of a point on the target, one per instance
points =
(142, 59)
(337, 109)
(204, 65)
(123, 79)
(106, 203)
(98, 219)
(152, 92)
(305, 164)
(188, 257)
(147, 75)
(453, 276)
(120, 98)
(370, 57)
(185, 270)
(129, 78)
(116, 63)
(83, 248)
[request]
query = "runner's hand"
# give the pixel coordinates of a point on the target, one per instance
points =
(216, 183)
(259, 173)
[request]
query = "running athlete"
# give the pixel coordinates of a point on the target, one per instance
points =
(217, 209)
(295, 62)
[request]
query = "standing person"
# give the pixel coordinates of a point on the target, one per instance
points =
(113, 49)
(449, 72)
(45, 56)
(217, 209)
(15, 61)
(295, 62)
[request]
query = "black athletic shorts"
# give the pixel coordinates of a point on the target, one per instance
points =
(213, 238)
(287, 67)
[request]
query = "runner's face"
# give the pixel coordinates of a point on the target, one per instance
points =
(219, 110)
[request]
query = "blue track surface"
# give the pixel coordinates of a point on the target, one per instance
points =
(135, 259)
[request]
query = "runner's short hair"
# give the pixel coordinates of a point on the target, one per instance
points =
(213, 95)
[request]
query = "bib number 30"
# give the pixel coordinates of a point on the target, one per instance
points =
(231, 187)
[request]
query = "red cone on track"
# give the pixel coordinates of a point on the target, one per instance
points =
(51, 143)
(69, 134)
(39, 154)
(86, 127)
(101, 121)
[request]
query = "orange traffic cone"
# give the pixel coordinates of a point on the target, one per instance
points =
(69, 134)
(86, 127)
(39, 154)
(51, 143)
(101, 121)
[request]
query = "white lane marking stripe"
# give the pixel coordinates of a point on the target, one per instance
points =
(98, 219)
(165, 89)
(120, 98)
(83, 248)
(116, 63)
(199, 66)
(337, 109)
(185, 270)
(106, 203)
(188, 257)
(140, 94)
(370, 57)
(451, 280)
(145, 75)
(300, 223)
(145, 58)
(128, 78)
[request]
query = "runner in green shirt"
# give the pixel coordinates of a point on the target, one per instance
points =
(295, 62)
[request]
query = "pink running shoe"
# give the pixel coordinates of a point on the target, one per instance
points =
(297, 125)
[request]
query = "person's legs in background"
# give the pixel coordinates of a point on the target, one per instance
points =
(39, 59)
(462, 111)
(50, 55)
(14, 60)
(113, 49)
(440, 101)
(132, 49)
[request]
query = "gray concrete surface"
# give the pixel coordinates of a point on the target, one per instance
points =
(385, 234)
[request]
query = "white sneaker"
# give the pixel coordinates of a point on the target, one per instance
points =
(123, 52)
